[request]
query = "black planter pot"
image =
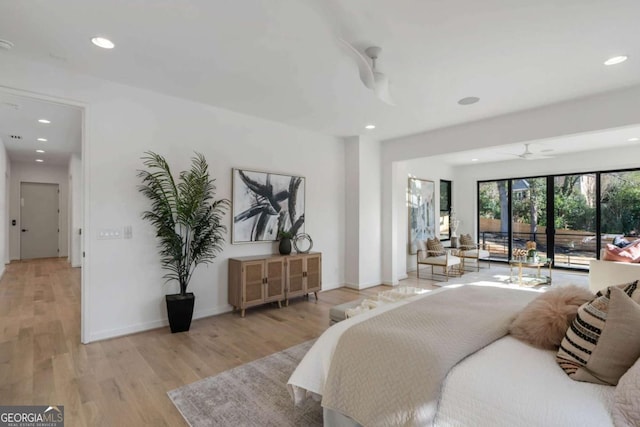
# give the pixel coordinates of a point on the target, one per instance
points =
(285, 246)
(180, 311)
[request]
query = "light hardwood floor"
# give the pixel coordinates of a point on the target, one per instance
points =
(124, 381)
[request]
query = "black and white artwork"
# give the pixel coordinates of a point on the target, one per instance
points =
(266, 203)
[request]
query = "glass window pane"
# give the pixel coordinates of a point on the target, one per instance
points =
(620, 205)
(445, 209)
(494, 218)
(574, 198)
(529, 212)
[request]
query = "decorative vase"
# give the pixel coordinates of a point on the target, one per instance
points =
(180, 311)
(285, 246)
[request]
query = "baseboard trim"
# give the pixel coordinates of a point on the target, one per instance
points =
(155, 324)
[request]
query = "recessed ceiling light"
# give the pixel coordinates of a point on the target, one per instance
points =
(616, 60)
(40, 151)
(45, 121)
(474, 160)
(39, 160)
(42, 139)
(634, 139)
(469, 100)
(370, 127)
(103, 43)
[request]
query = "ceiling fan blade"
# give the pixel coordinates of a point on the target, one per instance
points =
(366, 72)
(382, 88)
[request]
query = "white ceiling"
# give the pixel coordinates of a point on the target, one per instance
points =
(279, 59)
(19, 117)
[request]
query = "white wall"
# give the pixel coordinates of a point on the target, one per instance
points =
(352, 211)
(430, 169)
(75, 210)
(27, 172)
(363, 216)
(4, 207)
(124, 289)
(465, 198)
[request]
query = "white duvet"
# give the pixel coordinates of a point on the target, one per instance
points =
(508, 384)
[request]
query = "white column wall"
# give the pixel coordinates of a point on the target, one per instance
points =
(370, 213)
(363, 204)
(352, 215)
(75, 210)
(4, 207)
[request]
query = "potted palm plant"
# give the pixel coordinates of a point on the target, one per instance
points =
(187, 220)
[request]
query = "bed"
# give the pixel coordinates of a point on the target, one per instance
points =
(504, 383)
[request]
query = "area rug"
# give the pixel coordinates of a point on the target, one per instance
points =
(254, 394)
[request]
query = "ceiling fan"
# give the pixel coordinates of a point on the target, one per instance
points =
(529, 155)
(370, 76)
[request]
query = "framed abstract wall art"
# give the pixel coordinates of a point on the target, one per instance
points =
(422, 212)
(265, 203)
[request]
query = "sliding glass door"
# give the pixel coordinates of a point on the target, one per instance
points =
(493, 209)
(529, 213)
(575, 241)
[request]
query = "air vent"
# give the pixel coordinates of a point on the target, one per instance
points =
(17, 137)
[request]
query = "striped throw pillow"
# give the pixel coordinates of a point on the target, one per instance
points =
(466, 241)
(604, 339)
(435, 247)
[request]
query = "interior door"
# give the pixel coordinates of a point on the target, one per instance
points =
(39, 213)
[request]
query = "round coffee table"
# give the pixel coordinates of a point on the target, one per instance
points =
(538, 279)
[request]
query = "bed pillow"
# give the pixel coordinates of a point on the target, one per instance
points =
(626, 405)
(603, 341)
(630, 253)
(435, 246)
(545, 320)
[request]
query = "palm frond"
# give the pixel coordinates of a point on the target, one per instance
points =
(185, 214)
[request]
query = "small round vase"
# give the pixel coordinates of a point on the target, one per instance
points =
(285, 246)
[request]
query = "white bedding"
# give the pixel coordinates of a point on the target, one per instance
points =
(510, 384)
(507, 383)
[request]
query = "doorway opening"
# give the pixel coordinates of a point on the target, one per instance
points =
(41, 155)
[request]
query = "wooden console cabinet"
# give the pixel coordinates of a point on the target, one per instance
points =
(256, 280)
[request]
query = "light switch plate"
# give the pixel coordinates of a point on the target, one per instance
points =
(109, 233)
